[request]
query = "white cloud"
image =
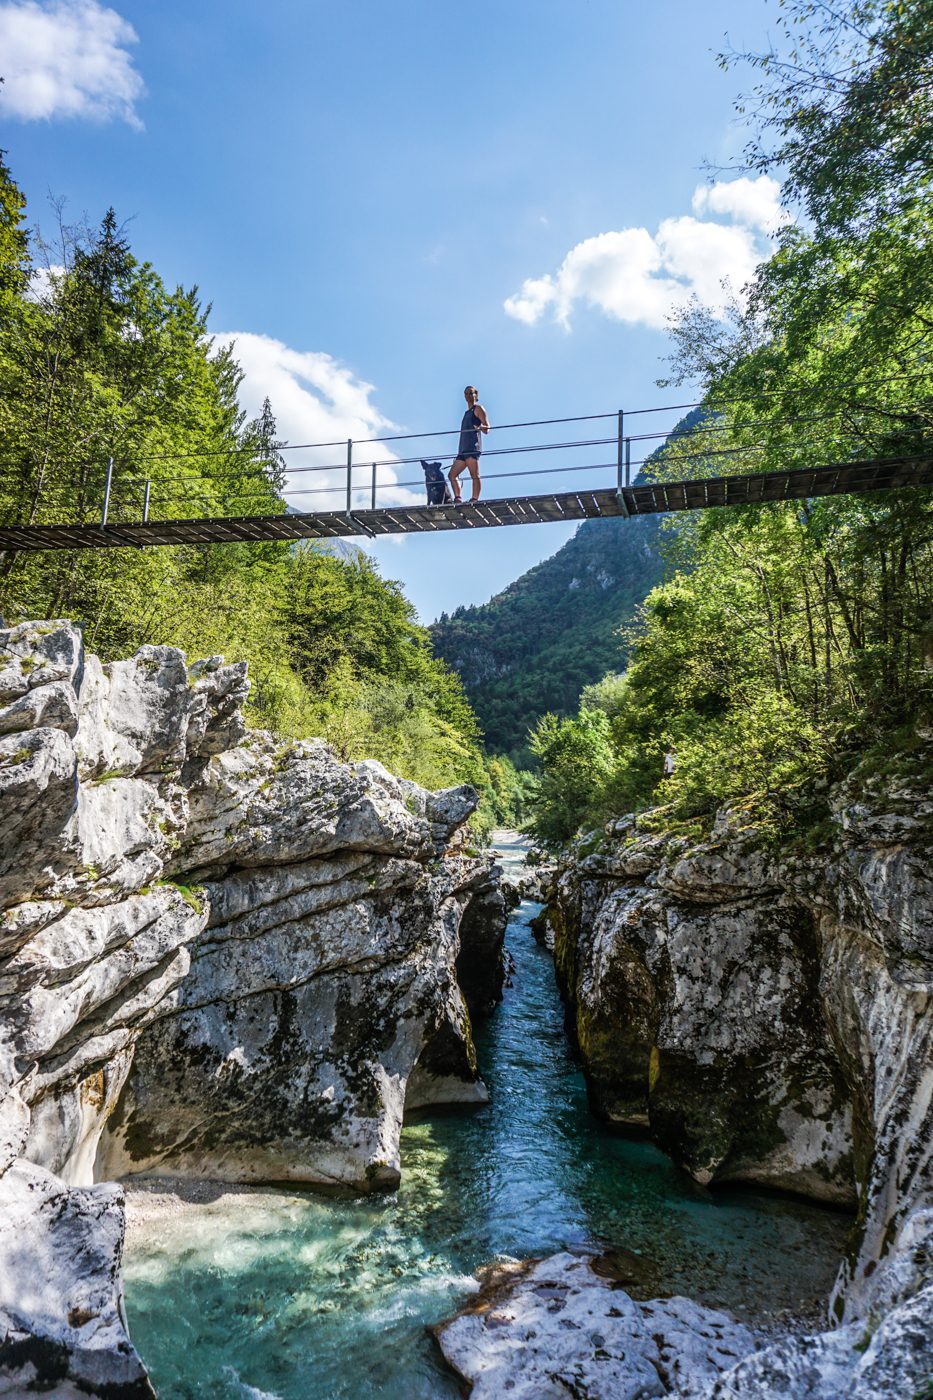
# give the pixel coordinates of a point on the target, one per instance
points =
(756, 203)
(315, 398)
(703, 256)
(639, 278)
(67, 58)
(42, 281)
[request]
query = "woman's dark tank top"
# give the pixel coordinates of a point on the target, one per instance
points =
(470, 435)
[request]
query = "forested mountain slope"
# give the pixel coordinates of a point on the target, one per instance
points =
(533, 647)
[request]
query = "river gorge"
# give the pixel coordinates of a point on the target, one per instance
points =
(304, 1297)
(267, 992)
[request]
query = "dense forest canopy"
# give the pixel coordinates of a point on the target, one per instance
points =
(791, 639)
(786, 640)
(100, 360)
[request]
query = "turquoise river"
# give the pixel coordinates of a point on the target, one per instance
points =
(279, 1295)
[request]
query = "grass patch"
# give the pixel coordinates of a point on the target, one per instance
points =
(193, 895)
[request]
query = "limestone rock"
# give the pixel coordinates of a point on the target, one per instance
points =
(134, 713)
(38, 793)
(557, 1327)
(51, 706)
(861, 1361)
(215, 717)
(61, 1308)
(479, 963)
(219, 954)
(768, 1015)
(286, 1052)
(38, 654)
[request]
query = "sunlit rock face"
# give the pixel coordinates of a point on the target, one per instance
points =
(560, 1326)
(220, 955)
(767, 1014)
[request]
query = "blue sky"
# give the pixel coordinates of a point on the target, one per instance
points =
(384, 203)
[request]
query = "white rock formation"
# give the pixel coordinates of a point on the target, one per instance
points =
(768, 1014)
(61, 1316)
(559, 1328)
(547, 1329)
(219, 955)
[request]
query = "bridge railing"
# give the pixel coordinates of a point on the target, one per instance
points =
(596, 450)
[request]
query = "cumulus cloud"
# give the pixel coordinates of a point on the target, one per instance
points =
(67, 58)
(756, 203)
(315, 398)
(638, 277)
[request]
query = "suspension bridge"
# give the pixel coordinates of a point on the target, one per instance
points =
(139, 512)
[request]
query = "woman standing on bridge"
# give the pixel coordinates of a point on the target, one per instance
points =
(473, 424)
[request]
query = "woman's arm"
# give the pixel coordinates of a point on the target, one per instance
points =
(481, 415)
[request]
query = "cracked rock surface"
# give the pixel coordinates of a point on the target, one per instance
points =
(546, 1329)
(220, 955)
(767, 1015)
(556, 1327)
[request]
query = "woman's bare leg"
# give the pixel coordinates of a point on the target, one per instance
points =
(454, 475)
(476, 485)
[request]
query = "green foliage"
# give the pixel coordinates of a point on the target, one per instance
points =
(104, 361)
(576, 761)
(793, 637)
(797, 640)
(193, 897)
(14, 251)
(506, 797)
(533, 647)
(847, 108)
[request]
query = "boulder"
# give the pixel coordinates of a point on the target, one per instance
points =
(62, 1330)
(561, 1326)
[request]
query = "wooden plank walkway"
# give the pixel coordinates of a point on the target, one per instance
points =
(651, 498)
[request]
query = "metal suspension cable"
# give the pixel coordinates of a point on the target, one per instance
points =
(493, 428)
(545, 446)
(339, 488)
(531, 423)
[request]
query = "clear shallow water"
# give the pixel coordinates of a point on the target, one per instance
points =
(302, 1297)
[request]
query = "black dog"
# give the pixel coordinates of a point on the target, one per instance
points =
(439, 493)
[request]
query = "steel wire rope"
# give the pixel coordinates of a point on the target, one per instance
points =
(500, 476)
(758, 423)
(547, 446)
(504, 427)
(339, 488)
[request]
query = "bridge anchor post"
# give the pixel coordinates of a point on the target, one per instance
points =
(622, 460)
(108, 481)
(349, 474)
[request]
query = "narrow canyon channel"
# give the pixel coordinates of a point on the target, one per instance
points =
(235, 1293)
